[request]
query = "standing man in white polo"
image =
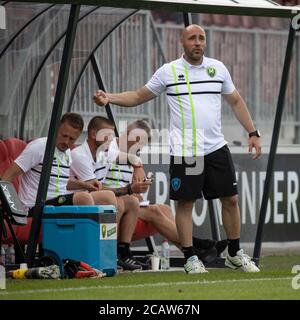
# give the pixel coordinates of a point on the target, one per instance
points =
(201, 163)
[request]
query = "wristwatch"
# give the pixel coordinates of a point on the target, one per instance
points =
(255, 133)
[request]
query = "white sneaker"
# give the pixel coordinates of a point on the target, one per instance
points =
(241, 261)
(194, 265)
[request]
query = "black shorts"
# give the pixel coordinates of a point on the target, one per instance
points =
(62, 200)
(216, 180)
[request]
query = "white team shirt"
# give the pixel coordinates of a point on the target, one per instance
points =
(84, 167)
(118, 175)
(31, 162)
(194, 98)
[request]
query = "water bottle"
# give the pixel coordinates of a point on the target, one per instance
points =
(2, 257)
(2, 278)
(10, 255)
(165, 255)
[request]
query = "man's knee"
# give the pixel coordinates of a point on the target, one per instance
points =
(132, 204)
(166, 210)
(156, 211)
(105, 197)
(83, 198)
(186, 204)
(120, 206)
(230, 201)
(152, 214)
(110, 198)
(132, 201)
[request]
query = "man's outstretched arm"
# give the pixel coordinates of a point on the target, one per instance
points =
(124, 99)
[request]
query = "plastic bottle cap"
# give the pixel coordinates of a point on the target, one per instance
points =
(24, 266)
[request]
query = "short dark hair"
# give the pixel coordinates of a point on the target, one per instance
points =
(73, 119)
(97, 122)
(140, 124)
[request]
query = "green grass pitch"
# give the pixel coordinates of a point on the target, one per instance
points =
(273, 282)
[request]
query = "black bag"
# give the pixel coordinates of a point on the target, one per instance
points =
(71, 267)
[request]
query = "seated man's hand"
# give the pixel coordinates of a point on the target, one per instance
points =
(140, 187)
(93, 185)
(138, 174)
(101, 98)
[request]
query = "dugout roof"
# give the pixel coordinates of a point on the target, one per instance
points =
(265, 8)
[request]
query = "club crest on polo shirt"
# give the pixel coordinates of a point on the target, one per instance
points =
(211, 71)
(62, 199)
(175, 183)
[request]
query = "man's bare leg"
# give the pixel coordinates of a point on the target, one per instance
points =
(160, 216)
(184, 222)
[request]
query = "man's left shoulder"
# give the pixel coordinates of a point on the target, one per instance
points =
(211, 62)
(77, 149)
(79, 154)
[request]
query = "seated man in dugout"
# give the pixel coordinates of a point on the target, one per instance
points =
(89, 168)
(30, 163)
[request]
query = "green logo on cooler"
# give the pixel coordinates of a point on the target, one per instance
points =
(111, 231)
(103, 229)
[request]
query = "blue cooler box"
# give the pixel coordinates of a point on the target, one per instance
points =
(84, 233)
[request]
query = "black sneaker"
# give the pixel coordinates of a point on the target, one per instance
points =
(205, 247)
(119, 268)
(206, 255)
(221, 246)
(128, 264)
(145, 265)
(205, 244)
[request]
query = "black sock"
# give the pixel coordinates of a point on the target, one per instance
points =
(203, 243)
(233, 246)
(221, 245)
(123, 249)
(188, 252)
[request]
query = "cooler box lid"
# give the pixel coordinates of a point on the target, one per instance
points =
(79, 209)
(97, 213)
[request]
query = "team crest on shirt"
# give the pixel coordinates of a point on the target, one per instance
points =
(175, 183)
(211, 71)
(62, 199)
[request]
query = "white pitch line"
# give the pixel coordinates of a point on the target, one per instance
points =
(144, 285)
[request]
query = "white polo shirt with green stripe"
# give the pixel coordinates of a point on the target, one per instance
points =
(31, 163)
(194, 97)
(84, 167)
(118, 175)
